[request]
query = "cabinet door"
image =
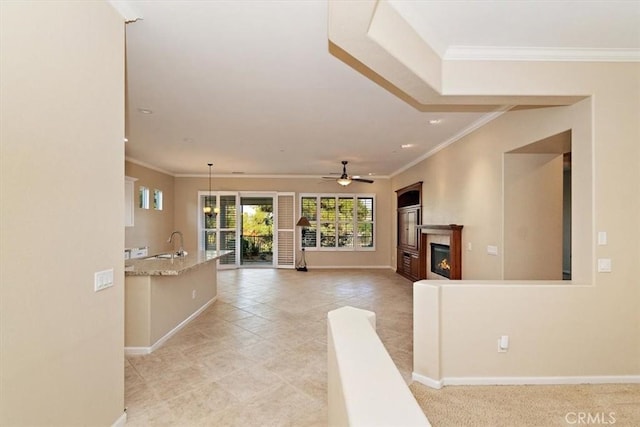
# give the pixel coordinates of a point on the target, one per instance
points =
(402, 228)
(411, 223)
(415, 267)
(408, 220)
(400, 261)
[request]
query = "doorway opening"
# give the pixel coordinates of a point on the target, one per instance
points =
(256, 231)
(537, 210)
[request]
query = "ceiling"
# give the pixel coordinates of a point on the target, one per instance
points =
(251, 86)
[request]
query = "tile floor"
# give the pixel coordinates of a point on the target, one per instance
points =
(258, 355)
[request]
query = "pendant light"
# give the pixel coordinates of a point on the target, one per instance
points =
(208, 210)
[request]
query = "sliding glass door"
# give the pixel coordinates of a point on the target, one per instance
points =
(258, 227)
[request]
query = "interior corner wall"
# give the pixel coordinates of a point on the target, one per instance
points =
(151, 227)
(62, 185)
(533, 190)
(463, 183)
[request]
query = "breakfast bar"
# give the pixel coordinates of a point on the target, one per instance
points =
(163, 293)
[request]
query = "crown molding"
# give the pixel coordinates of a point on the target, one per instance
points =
(126, 9)
(148, 166)
(494, 53)
(466, 131)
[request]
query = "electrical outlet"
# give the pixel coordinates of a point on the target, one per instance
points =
(102, 279)
(602, 238)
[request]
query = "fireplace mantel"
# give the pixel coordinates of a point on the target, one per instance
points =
(454, 231)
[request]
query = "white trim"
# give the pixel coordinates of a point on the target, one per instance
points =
(237, 175)
(121, 421)
(500, 53)
(355, 197)
(358, 267)
(269, 176)
(147, 350)
(150, 166)
(125, 9)
(597, 379)
(464, 132)
(429, 382)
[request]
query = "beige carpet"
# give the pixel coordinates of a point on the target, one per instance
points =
(531, 405)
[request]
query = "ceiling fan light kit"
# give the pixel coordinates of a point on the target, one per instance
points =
(346, 179)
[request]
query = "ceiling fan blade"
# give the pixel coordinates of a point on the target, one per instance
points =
(362, 180)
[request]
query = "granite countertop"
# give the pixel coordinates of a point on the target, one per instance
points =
(168, 266)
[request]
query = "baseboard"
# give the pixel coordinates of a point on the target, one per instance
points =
(429, 382)
(355, 267)
(121, 421)
(146, 350)
(598, 379)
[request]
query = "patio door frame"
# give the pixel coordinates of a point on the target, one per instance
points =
(218, 229)
(274, 205)
(281, 226)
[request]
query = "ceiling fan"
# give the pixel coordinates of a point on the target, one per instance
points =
(345, 179)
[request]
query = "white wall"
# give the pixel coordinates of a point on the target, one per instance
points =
(62, 180)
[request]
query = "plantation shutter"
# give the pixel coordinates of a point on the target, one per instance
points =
(286, 230)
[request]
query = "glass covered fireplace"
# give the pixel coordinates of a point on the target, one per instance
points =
(440, 260)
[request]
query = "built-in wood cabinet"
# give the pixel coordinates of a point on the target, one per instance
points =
(411, 258)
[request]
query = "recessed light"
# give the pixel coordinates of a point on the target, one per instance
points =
(145, 111)
(435, 121)
(407, 145)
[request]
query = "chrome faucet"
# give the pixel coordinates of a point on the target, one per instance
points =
(179, 252)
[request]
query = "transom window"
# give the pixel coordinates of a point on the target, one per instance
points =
(338, 221)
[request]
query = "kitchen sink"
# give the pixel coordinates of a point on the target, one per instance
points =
(160, 256)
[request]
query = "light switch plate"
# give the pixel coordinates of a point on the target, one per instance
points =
(102, 279)
(604, 265)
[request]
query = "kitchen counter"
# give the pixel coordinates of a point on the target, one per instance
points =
(163, 295)
(170, 267)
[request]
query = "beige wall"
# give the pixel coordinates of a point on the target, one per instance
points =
(186, 213)
(463, 184)
(587, 328)
(62, 180)
(151, 227)
(533, 216)
(155, 305)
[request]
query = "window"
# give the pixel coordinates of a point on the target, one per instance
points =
(157, 200)
(338, 222)
(144, 197)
